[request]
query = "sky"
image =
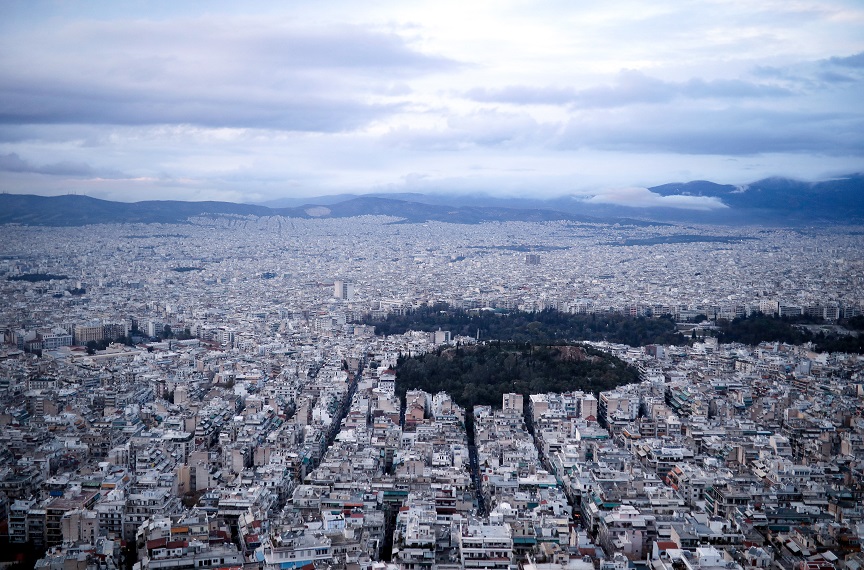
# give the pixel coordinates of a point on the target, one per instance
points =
(253, 101)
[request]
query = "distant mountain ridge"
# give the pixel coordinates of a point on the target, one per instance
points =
(74, 210)
(778, 193)
(774, 201)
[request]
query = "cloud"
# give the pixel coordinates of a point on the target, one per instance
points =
(271, 99)
(523, 95)
(342, 47)
(209, 72)
(483, 128)
(13, 163)
(629, 87)
(31, 105)
(636, 197)
(815, 76)
(856, 61)
(730, 88)
(833, 77)
(733, 131)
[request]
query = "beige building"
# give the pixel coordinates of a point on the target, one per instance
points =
(85, 333)
(513, 403)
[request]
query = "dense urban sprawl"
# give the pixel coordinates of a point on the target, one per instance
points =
(201, 396)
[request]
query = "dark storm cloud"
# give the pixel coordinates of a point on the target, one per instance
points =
(209, 74)
(630, 87)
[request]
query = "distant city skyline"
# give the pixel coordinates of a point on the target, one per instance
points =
(218, 101)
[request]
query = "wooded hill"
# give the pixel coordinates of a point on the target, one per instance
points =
(481, 374)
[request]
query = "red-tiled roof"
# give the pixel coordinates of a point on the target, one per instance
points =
(156, 543)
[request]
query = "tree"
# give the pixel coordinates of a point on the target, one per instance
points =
(185, 334)
(480, 374)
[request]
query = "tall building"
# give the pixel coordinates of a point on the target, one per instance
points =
(343, 290)
(513, 403)
(18, 529)
(587, 407)
(441, 337)
(154, 328)
(76, 499)
(615, 404)
(112, 331)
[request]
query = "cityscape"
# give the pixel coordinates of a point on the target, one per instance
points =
(213, 395)
(431, 285)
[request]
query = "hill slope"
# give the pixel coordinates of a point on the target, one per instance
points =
(73, 210)
(481, 374)
(778, 201)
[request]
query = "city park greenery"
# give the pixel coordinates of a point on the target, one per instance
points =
(532, 353)
(550, 327)
(479, 374)
(542, 327)
(36, 277)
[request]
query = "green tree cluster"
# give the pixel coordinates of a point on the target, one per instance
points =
(760, 328)
(554, 327)
(482, 374)
(36, 277)
(764, 328)
(543, 327)
(855, 323)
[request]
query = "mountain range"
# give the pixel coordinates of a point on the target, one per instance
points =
(772, 201)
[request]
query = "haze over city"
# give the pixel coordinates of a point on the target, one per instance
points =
(254, 101)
